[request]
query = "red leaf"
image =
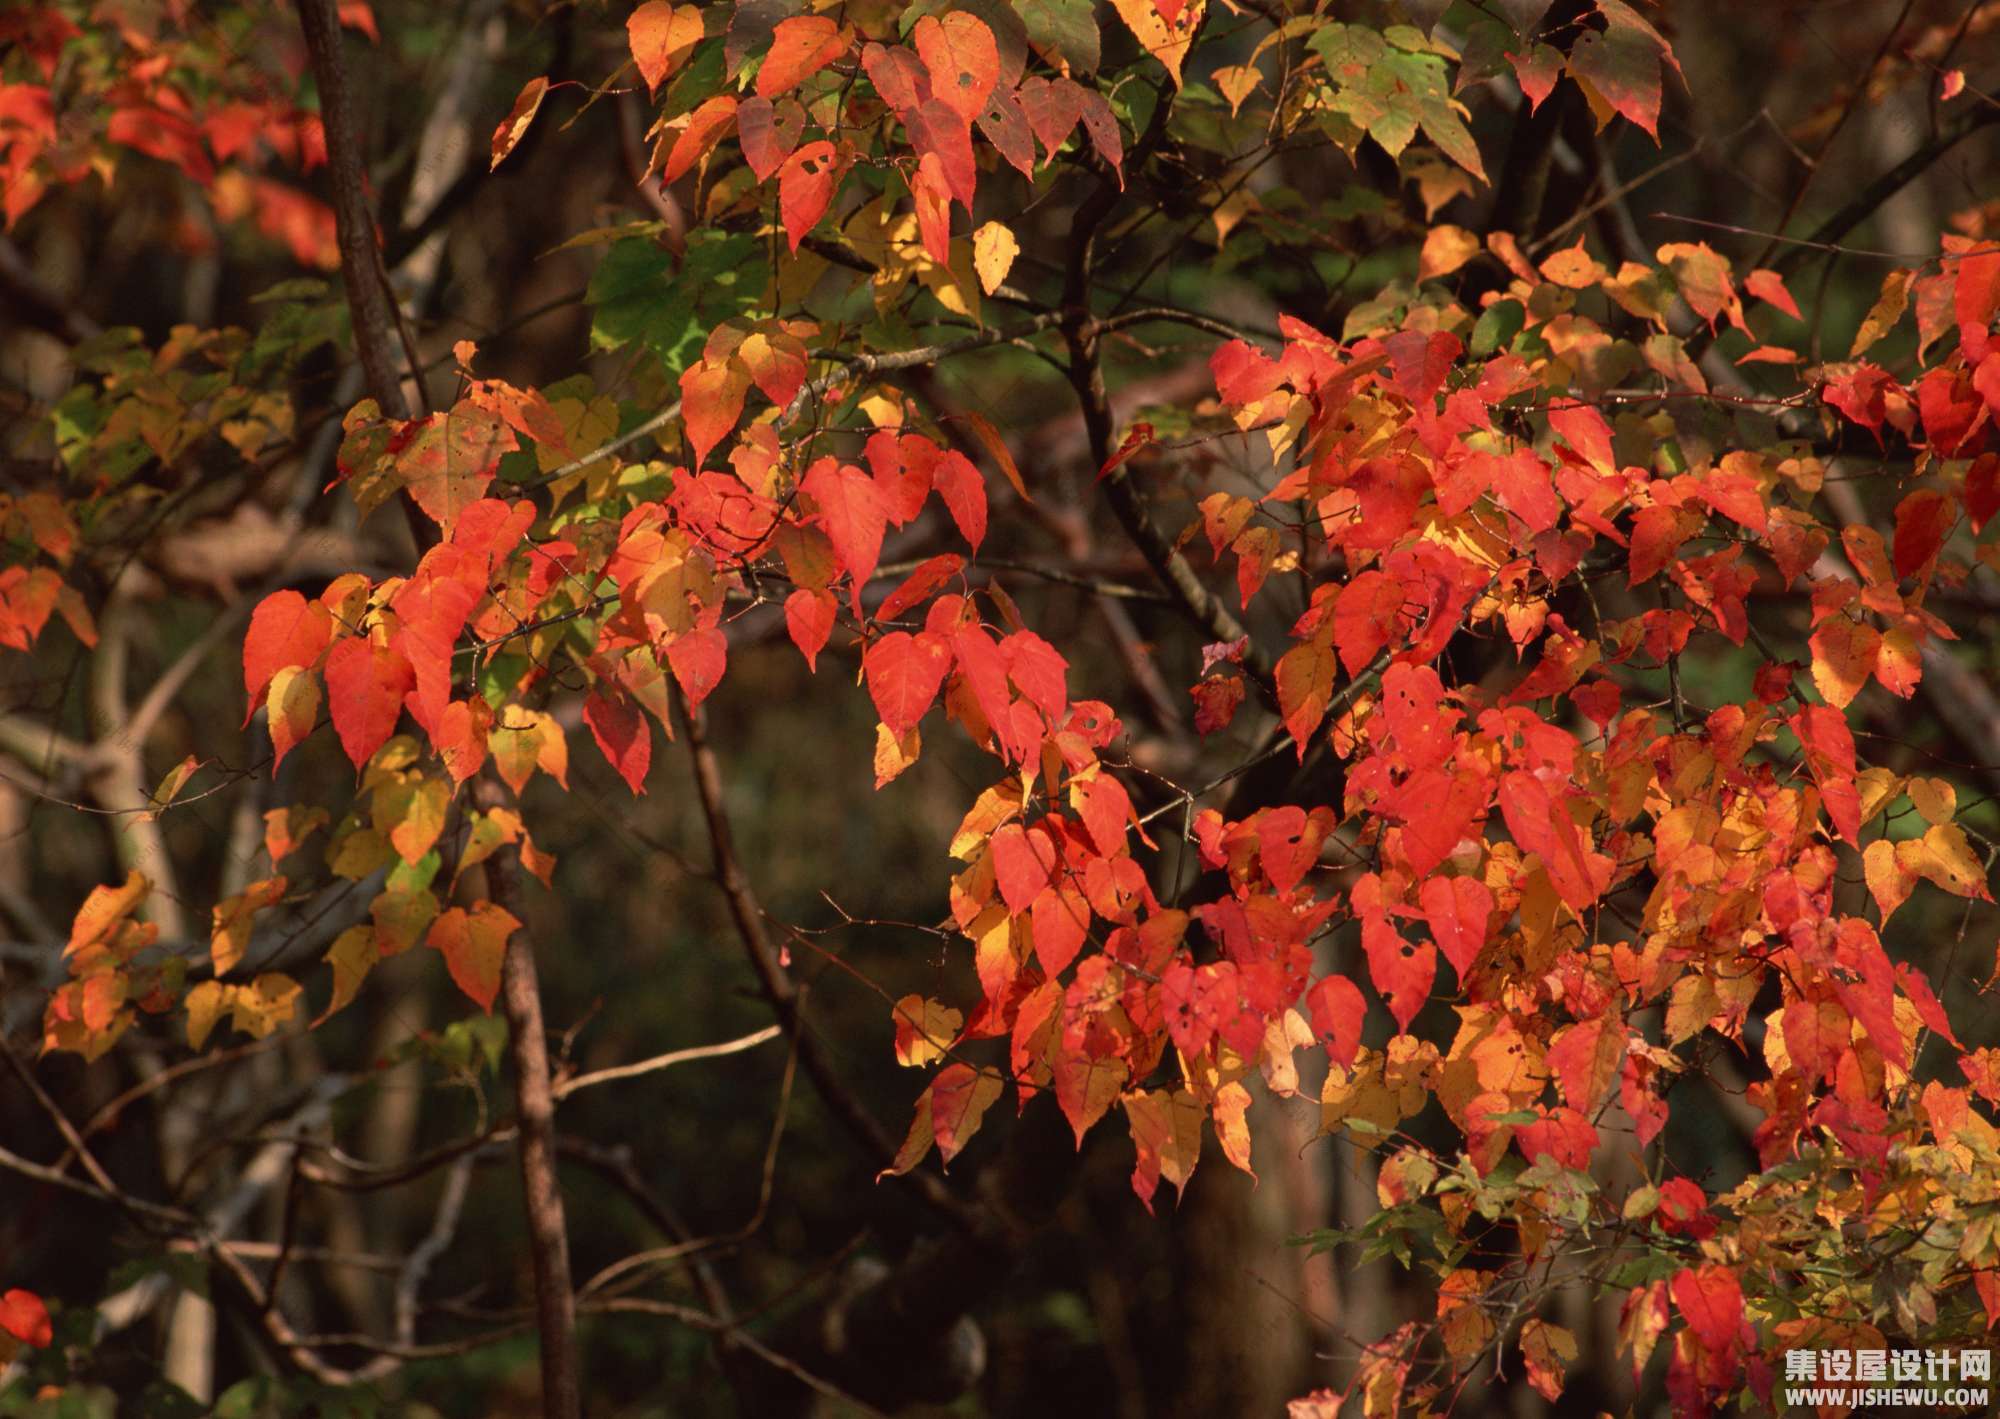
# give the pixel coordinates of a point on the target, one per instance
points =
(1285, 850)
(805, 187)
(1102, 126)
(1006, 128)
(964, 494)
(1337, 1009)
(850, 510)
(365, 685)
(898, 76)
(919, 584)
(1060, 921)
(1712, 1300)
(622, 736)
(1305, 685)
(904, 674)
(1364, 617)
(1829, 746)
(698, 659)
(768, 133)
(800, 47)
(963, 61)
(1923, 518)
(1584, 430)
(809, 618)
(1024, 861)
(1457, 910)
(1975, 297)
(940, 132)
(1106, 810)
(932, 194)
(1769, 287)
(285, 629)
(1537, 72)
(1402, 972)
(23, 1316)
(1052, 108)
(1038, 671)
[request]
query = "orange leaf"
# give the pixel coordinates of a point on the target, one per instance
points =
(964, 62)
(805, 187)
(662, 36)
(800, 47)
(474, 944)
(526, 103)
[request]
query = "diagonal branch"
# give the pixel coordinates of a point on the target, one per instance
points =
(748, 916)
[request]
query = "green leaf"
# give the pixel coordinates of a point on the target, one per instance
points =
(1498, 324)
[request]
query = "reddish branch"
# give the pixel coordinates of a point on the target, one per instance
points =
(747, 915)
(360, 263)
(535, 1106)
(375, 344)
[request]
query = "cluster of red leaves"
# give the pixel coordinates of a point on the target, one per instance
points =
(173, 95)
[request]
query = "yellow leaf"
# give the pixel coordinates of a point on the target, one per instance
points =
(1843, 658)
(352, 956)
(1883, 315)
(1934, 798)
(1237, 82)
(1232, 1124)
(411, 815)
(293, 706)
(1166, 1131)
(266, 1003)
(993, 252)
(1945, 858)
(232, 920)
(1446, 248)
(1166, 43)
(1890, 879)
(170, 786)
(1879, 787)
(205, 1004)
(893, 755)
(925, 1029)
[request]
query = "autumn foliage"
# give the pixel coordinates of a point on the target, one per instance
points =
(1475, 843)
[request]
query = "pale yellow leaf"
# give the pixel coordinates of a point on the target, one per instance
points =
(993, 253)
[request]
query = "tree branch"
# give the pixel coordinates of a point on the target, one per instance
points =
(535, 1106)
(360, 263)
